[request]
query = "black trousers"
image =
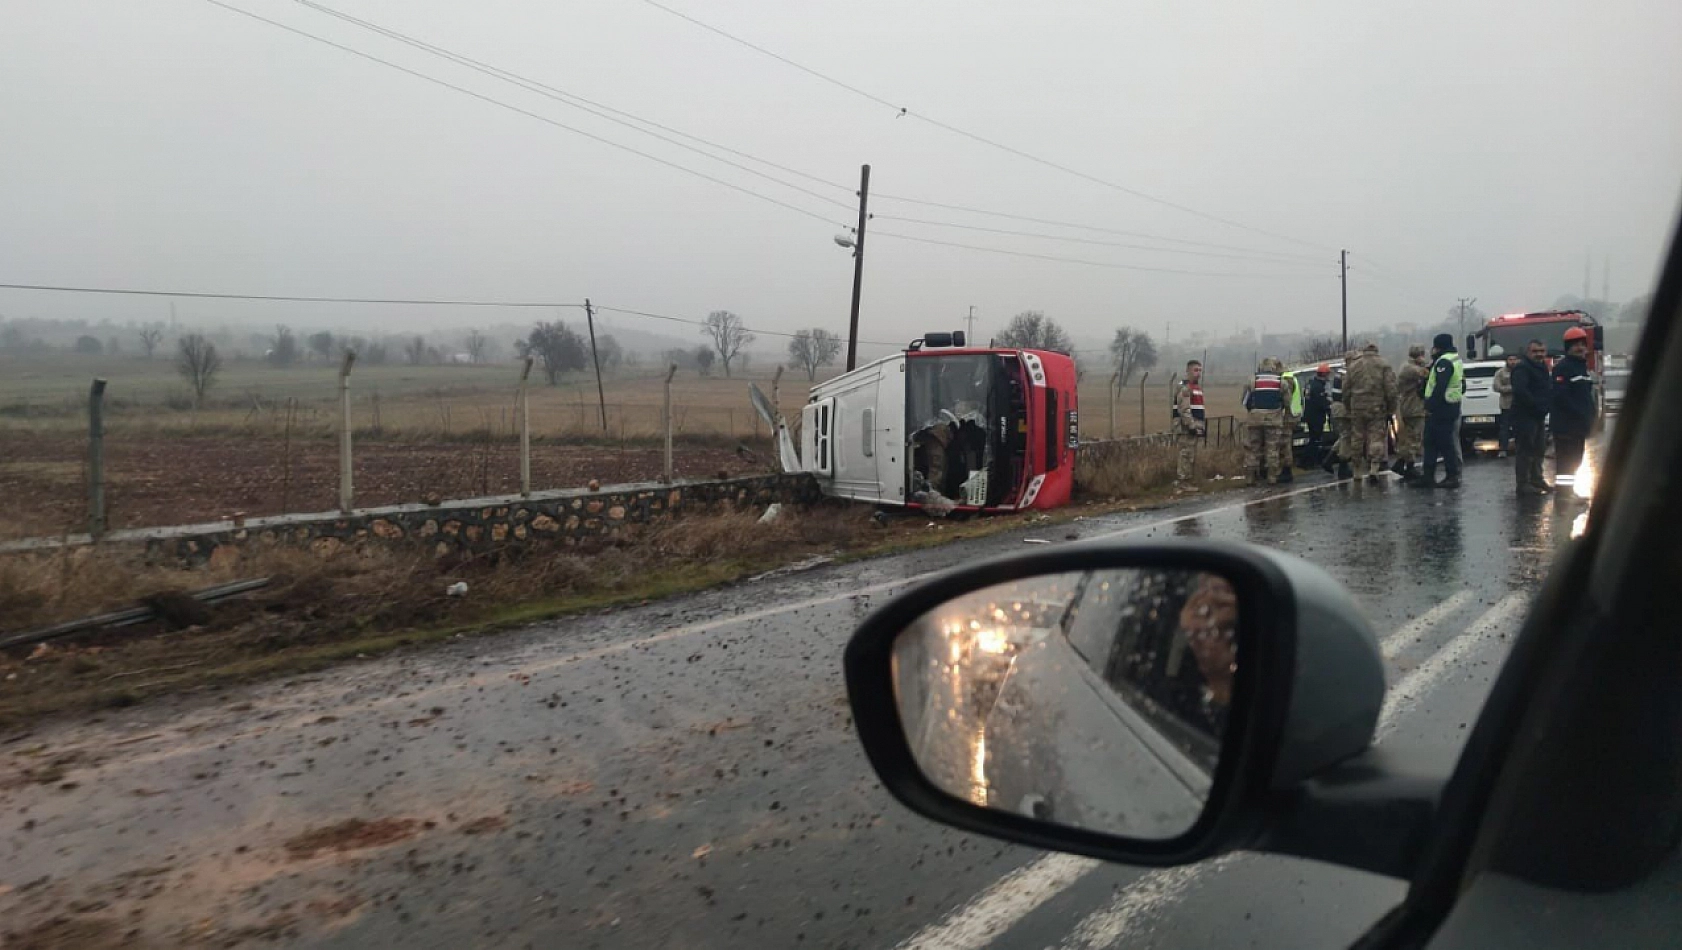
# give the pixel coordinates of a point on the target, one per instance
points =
(1568, 454)
(1442, 440)
(1530, 440)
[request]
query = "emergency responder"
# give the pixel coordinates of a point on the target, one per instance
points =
(1573, 406)
(1445, 386)
(1532, 401)
(1369, 395)
(1288, 426)
(1316, 407)
(1339, 455)
(1410, 413)
(1504, 385)
(1190, 425)
(1264, 405)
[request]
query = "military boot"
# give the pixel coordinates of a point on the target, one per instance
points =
(1285, 476)
(1344, 470)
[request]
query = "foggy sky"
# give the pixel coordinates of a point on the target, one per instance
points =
(1456, 149)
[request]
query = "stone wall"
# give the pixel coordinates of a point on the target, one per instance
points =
(483, 524)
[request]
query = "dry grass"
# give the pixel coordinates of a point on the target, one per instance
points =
(320, 610)
(1144, 469)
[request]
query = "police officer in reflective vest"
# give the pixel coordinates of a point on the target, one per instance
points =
(1265, 408)
(1444, 388)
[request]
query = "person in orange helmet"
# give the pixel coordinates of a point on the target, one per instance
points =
(1573, 406)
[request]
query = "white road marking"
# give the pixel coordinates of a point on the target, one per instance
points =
(1140, 901)
(1405, 695)
(1002, 904)
(1410, 633)
(1124, 918)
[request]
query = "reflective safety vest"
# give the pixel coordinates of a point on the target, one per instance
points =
(1296, 395)
(1195, 391)
(1266, 393)
(1456, 379)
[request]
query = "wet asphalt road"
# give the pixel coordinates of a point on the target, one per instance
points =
(685, 774)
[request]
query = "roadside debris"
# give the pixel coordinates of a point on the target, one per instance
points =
(458, 589)
(172, 610)
(772, 513)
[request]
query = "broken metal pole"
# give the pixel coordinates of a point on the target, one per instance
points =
(96, 459)
(346, 494)
(525, 430)
(666, 422)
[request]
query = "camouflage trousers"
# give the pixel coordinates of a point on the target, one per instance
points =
(1340, 432)
(1265, 442)
(1188, 443)
(1410, 440)
(1368, 443)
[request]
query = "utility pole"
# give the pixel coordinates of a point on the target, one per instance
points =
(601, 397)
(969, 336)
(1343, 284)
(858, 269)
(1465, 304)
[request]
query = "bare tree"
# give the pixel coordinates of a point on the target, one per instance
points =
(704, 358)
(728, 335)
(415, 351)
(476, 345)
(198, 363)
(1131, 350)
(1033, 330)
(1320, 349)
(813, 349)
(150, 337)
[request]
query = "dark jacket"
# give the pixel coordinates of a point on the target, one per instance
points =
(1573, 391)
(1316, 403)
(1533, 394)
(1437, 405)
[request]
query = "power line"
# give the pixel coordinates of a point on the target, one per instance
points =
(1075, 260)
(412, 302)
(130, 292)
(525, 112)
(1099, 229)
(1076, 240)
(592, 107)
(905, 111)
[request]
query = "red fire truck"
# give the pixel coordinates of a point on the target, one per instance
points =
(1512, 332)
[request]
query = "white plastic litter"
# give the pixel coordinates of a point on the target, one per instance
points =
(458, 589)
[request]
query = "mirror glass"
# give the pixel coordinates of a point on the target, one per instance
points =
(1094, 699)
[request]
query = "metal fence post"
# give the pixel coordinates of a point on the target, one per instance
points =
(1115, 384)
(525, 430)
(346, 495)
(666, 421)
(1142, 402)
(96, 459)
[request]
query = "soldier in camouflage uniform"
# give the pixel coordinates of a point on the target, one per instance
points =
(1410, 412)
(1265, 407)
(1369, 397)
(1339, 454)
(1190, 425)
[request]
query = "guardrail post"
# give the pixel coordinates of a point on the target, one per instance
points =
(96, 459)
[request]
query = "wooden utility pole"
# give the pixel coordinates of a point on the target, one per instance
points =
(858, 269)
(666, 422)
(601, 397)
(346, 494)
(525, 429)
(1343, 285)
(96, 459)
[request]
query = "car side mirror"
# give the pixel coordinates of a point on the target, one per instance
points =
(1150, 704)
